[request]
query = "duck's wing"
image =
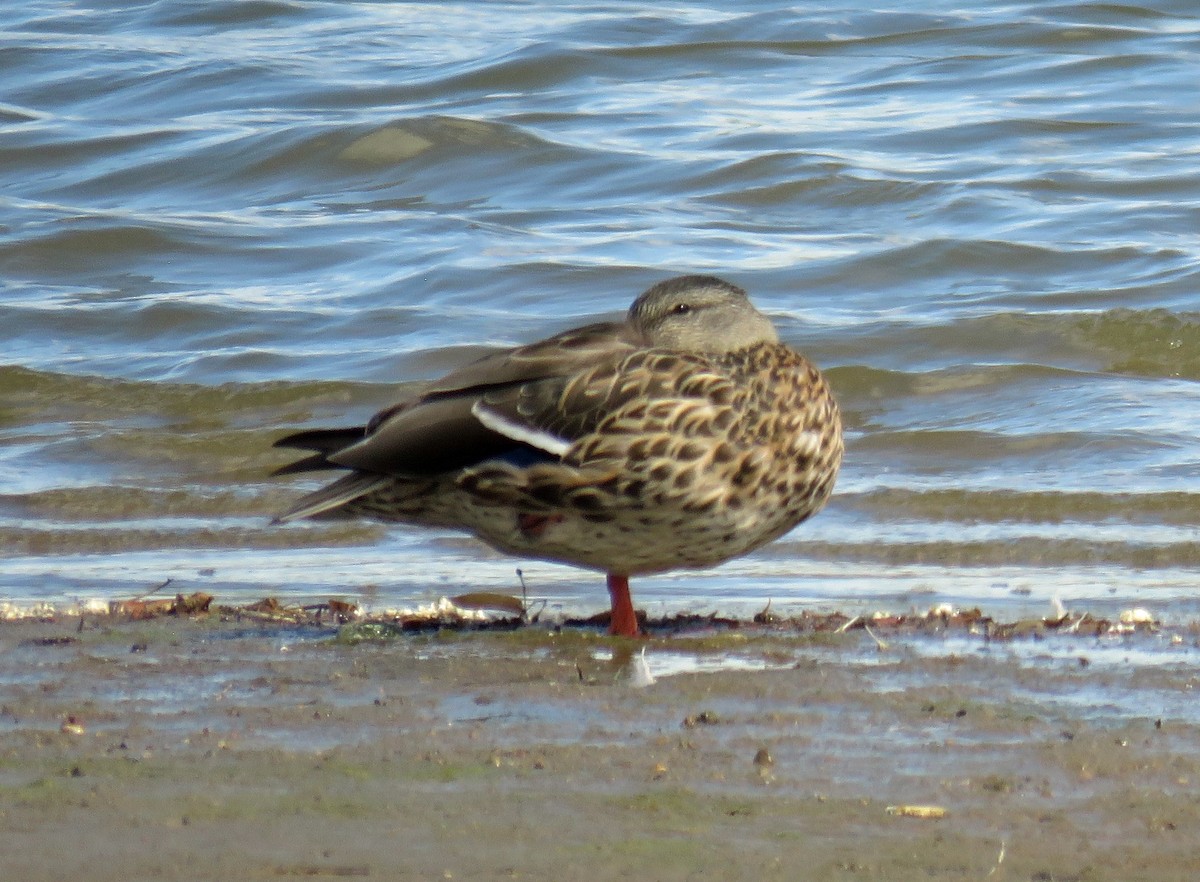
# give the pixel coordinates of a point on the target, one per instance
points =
(501, 406)
(559, 356)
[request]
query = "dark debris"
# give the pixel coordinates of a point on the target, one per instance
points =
(507, 616)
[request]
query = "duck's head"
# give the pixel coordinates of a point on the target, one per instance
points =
(699, 314)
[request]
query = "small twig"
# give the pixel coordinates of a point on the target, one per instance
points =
(524, 591)
(542, 604)
(766, 617)
(881, 645)
(848, 624)
(155, 589)
(527, 616)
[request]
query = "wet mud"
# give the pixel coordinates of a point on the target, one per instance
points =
(213, 745)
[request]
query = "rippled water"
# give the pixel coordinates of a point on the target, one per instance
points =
(221, 220)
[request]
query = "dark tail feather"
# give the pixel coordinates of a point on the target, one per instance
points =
(323, 440)
(315, 463)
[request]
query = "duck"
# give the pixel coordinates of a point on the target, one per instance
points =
(680, 437)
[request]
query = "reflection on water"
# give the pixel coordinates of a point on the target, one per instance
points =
(221, 221)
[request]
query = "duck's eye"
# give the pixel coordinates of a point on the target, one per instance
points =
(681, 308)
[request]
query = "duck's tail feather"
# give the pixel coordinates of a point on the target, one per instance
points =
(324, 442)
(329, 499)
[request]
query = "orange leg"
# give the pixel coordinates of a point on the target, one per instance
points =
(624, 620)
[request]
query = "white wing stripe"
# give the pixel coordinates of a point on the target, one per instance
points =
(518, 432)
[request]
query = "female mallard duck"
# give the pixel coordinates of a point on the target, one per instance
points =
(681, 437)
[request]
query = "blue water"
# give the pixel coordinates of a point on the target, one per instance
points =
(220, 221)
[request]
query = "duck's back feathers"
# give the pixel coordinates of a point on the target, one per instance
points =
(503, 406)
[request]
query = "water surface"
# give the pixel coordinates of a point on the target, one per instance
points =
(220, 221)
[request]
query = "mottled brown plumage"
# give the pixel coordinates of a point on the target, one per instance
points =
(682, 437)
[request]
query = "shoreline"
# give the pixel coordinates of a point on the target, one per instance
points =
(188, 747)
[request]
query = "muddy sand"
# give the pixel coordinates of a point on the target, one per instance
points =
(212, 748)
